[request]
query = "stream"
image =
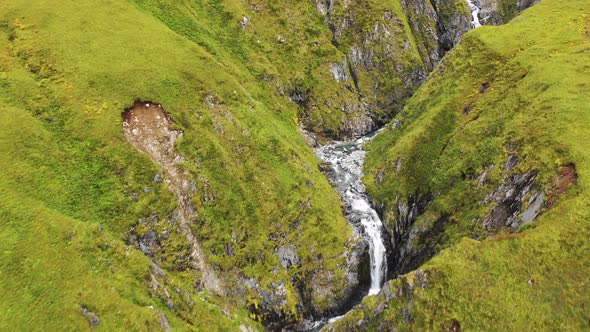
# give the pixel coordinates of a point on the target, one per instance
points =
(347, 161)
(475, 22)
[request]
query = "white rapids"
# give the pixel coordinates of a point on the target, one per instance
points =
(347, 159)
(475, 22)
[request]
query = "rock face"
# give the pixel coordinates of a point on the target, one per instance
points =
(516, 194)
(404, 233)
(415, 236)
(438, 26)
(379, 55)
(147, 127)
(415, 230)
(387, 54)
(496, 12)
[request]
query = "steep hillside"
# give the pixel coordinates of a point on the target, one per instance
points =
(215, 206)
(485, 169)
(78, 202)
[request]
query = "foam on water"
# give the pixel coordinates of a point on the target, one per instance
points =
(475, 22)
(347, 159)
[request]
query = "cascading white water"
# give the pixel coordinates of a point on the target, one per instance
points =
(347, 159)
(475, 22)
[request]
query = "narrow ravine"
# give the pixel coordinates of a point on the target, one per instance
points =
(347, 161)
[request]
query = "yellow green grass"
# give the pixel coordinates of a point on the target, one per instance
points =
(538, 100)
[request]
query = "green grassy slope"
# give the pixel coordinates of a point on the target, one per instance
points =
(67, 71)
(61, 250)
(536, 107)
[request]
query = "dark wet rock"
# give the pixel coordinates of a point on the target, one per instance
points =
(299, 96)
(400, 223)
(91, 317)
(484, 87)
(229, 250)
(510, 198)
(407, 316)
(439, 24)
(511, 162)
(467, 110)
(524, 4)
(148, 242)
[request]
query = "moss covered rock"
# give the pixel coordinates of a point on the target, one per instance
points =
(481, 182)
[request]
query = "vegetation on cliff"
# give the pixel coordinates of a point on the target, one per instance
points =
(76, 196)
(89, 230)
(507, 102)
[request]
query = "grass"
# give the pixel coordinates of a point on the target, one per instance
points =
(73, 190)
(536, 107)
(67, 72)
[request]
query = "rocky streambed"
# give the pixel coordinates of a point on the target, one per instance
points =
(346, 160)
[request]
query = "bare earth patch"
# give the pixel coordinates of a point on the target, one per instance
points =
(147, 128)
(561, 183)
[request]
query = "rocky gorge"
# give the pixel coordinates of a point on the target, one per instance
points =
(293, 165)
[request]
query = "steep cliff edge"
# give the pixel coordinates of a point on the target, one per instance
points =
(484, 171)
(349, 66)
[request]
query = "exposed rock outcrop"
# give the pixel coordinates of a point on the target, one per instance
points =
(386, 55)
(509, 200)
(496, 12)
(405, 255)
(147, 128)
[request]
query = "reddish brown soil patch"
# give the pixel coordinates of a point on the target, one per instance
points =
(567, 178)
(147, 127)
(506, 236)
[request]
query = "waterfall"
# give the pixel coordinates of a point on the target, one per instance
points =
(347, 159)
(475, 23)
